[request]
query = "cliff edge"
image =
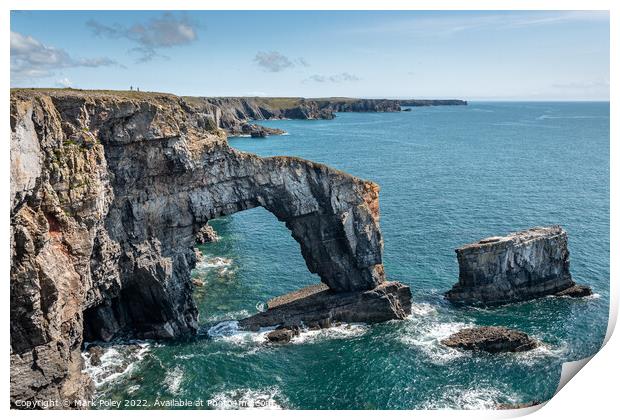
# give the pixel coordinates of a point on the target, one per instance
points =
(108, 192)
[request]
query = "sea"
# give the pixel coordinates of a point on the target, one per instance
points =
(449, 175)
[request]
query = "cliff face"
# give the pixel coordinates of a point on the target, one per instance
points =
(108, 192)
(236, 114)
(521, 266)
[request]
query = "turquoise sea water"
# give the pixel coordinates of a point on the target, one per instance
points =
(448, 176)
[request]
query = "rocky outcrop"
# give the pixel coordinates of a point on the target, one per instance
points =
(206, 234)
(491, 339)
(108, 192)
(282, 334)
(521, 266)
(235, 114)
(359, 105)
(320, 306)
(576, 291)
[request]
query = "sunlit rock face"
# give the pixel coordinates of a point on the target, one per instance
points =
(108, 193)
(520, 266)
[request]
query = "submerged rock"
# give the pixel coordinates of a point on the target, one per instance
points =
(491, 339)
(319, 307)
(517, 267)
(198, 282)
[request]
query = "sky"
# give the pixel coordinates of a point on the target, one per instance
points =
(474, 55)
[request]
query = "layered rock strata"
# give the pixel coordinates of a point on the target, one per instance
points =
(520, 266)
(236, 114)
(318, 306)
(108, 193)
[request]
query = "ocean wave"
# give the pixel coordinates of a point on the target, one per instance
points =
(243, 313)
(246, 398)
(116, 361)
(542, 352)
(173, 380)
(422, 309)
(336, 332)
(228, 331)
(571, 117)
(458, 398)
(214, 262)
(426, 336)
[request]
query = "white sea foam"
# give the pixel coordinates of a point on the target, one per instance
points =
(229, 332)
(422, 309)
(116, 362)
(426, 336)
(214, 262)
(477, 398)
(173, 380)
(543, 351)
(246, 398)
(227, 316)
(336, 332)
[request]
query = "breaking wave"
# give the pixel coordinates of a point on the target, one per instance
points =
(246, 398)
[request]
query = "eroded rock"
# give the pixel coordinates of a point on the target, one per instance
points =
(578, 290)
(283, 334)
(517, 267)
(108, 191)
(206, 234)
(491, 339)
(318, 307)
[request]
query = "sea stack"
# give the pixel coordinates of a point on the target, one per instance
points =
(517, 267)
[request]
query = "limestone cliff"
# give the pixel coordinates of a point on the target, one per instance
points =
(236, 114)
(520, 266)
(108, 192)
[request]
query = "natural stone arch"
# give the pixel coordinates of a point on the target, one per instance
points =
(166, 192)
(107, 193)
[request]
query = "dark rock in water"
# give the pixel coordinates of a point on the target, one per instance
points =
(318, 307)
(491, 339)
(95, 353)
(206, 234)
(518, 405)
(521, 266)
(258, 133)
(283, 334)
(406, 109)
(578, 290)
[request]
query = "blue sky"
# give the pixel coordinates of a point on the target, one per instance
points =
(523, 55)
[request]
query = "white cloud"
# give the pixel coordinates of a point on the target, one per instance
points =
(31, 59)
(336, 78)
(150, 37)
(272, 61)
(64, 82)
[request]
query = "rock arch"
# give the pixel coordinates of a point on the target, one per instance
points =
(107, 193)
(168, 182)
